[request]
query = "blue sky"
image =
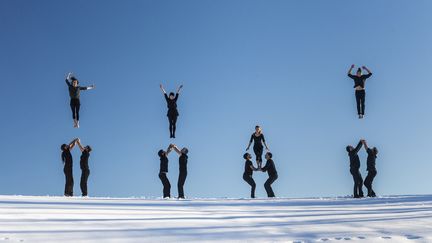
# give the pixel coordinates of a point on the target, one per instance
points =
(280, 64)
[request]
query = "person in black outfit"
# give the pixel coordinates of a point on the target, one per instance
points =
(359, 86)
(163, 155)
(85, 170)
(355, 169)
(66, 157)
(248, 171)
(272, 173)
(74, 93)
(183, 159)
(258, 138)
(172, 109)
(372, 172)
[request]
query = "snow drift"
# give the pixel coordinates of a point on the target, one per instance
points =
(58, 219)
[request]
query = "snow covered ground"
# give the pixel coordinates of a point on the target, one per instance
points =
(57, 219)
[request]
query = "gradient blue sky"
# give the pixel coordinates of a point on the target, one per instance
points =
(280, 64)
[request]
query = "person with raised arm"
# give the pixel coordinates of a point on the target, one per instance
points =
(66, 157)
(85, 170)
(272, 173)
(163, 171)
(183, 160)
(74, 93)
(248, 171)
(258, 138)
(172, 113)
(355, 169)
(372, 172)
(359, 86)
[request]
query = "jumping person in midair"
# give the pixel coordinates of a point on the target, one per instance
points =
(359, 86)
(355, 169)
(172, 114)
(163, 155)
(74, 93)
(272, 173)
(248, 171)
(372, 172)
(183, 159)
(85, 170)
(258, 139)
(66, 157)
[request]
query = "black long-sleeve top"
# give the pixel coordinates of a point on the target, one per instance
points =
(353, 156)
(84, 160)
(172, 105)
(247, 168)
(74, 92)
(163, 164)
(359, 81)
(270, 168)
(67, 159)
(258, 140)
(183, 159)
(371, 160)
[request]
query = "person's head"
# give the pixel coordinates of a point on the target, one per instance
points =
(171, 95)
(88, 148)
(162, 153)
(359, 72)
(74, 81)
(349, 148)
(258, 129)
(247, 156)
(185, 151)
(268, 155)
(63, 147)
(375, 150)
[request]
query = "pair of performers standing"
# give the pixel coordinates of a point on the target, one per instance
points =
(163, 171)
(66, 157)
(270, 168)
(355, 168)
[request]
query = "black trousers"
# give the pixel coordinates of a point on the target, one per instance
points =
(267, 185)
(75, 105)
(180, 184)
(166, 185)
(69, 181)
(84, 177)
(368, 182)
(258, 150)
(172, 124)
(251, 182)
(358, 183)
(360, 99)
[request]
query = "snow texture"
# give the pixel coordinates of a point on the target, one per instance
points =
(57, 219)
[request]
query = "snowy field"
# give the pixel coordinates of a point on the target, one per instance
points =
(57, 219)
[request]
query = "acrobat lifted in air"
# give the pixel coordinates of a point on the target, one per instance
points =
(74, 93)
(359, 86)
(172, 114)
